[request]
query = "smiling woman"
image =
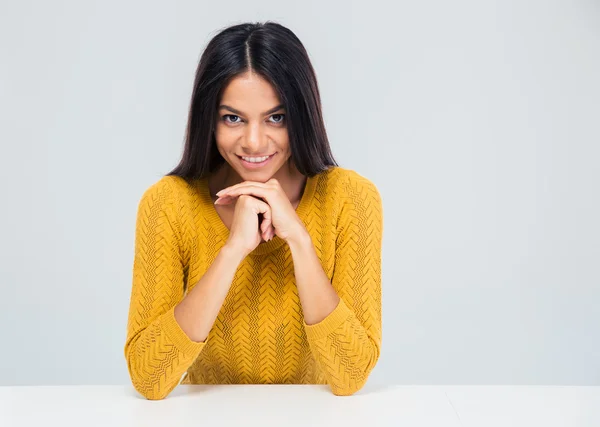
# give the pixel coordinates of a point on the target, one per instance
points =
(257, 259)
(253, 138)
(255, 94)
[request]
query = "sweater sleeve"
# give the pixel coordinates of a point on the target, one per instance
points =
(347, 343)
(157, 350)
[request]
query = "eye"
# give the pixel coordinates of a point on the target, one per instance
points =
(278, 115)
(224, 118)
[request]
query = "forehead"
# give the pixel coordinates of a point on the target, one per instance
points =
(250, 91)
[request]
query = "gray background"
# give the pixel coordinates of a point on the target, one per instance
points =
(478, 122)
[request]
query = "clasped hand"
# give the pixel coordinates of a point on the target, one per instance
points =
(285, 221)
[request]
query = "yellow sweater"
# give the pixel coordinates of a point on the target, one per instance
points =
(259, 335)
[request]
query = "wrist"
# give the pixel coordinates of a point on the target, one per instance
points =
(301, 237)
(234, 251)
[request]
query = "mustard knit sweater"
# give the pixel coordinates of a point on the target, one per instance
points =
(259, 335)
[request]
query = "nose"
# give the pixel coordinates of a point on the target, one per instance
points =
(255, 142)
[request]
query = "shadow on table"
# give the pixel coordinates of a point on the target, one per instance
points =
(373, 389)
(186, 390)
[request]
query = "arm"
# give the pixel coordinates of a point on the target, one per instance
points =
(342, 318)
(165, 334)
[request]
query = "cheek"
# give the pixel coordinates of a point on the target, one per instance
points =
(225, 139)
(282, 140)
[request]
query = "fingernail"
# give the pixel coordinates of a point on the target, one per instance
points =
(220, 192)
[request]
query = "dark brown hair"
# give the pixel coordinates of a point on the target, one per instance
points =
(276, 54)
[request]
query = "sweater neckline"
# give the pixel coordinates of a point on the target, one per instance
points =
(215, 220)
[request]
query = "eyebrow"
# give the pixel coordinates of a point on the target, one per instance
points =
(272, 110)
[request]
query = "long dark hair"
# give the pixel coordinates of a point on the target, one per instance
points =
(275, 53)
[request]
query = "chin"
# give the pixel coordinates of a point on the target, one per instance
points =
(257, 176)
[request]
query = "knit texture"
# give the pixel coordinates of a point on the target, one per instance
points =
(259, 335)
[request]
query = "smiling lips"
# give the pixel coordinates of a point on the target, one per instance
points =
(254, 165)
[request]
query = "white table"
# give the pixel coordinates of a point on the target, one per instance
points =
(302, 405)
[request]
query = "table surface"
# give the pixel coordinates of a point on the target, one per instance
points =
(302, 405)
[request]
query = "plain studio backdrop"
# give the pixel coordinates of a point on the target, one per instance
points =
(479, 122)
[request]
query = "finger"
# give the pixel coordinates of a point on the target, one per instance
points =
(266, 229)
(269, 235)
(225, 200)
(266, 226)
(267, 218)
(242, 184)
(252, 190)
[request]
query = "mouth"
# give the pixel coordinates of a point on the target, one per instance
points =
(254, 165)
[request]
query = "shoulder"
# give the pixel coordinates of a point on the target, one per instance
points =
(354, 187)
(168, 188)
(165, 194)
(159, 191)
(360, 208)
(164, 203)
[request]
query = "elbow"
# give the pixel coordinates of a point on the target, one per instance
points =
(145, 384)
(153, 396)
(348, 389)
(353, 383)
(149, 389)
(147, 392)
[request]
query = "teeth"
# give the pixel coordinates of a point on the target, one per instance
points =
(255, 159)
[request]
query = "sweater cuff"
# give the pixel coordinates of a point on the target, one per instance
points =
(329, 324)
(178, 337)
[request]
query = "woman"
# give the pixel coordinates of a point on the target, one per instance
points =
(258, 258)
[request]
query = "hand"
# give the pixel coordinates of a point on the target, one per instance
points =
(245, 233)
(286, 223)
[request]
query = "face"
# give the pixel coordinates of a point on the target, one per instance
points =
(252, 123)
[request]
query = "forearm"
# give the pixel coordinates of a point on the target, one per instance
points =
(317, 296)
(339, 342)
(197, 312)
(162, 351)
